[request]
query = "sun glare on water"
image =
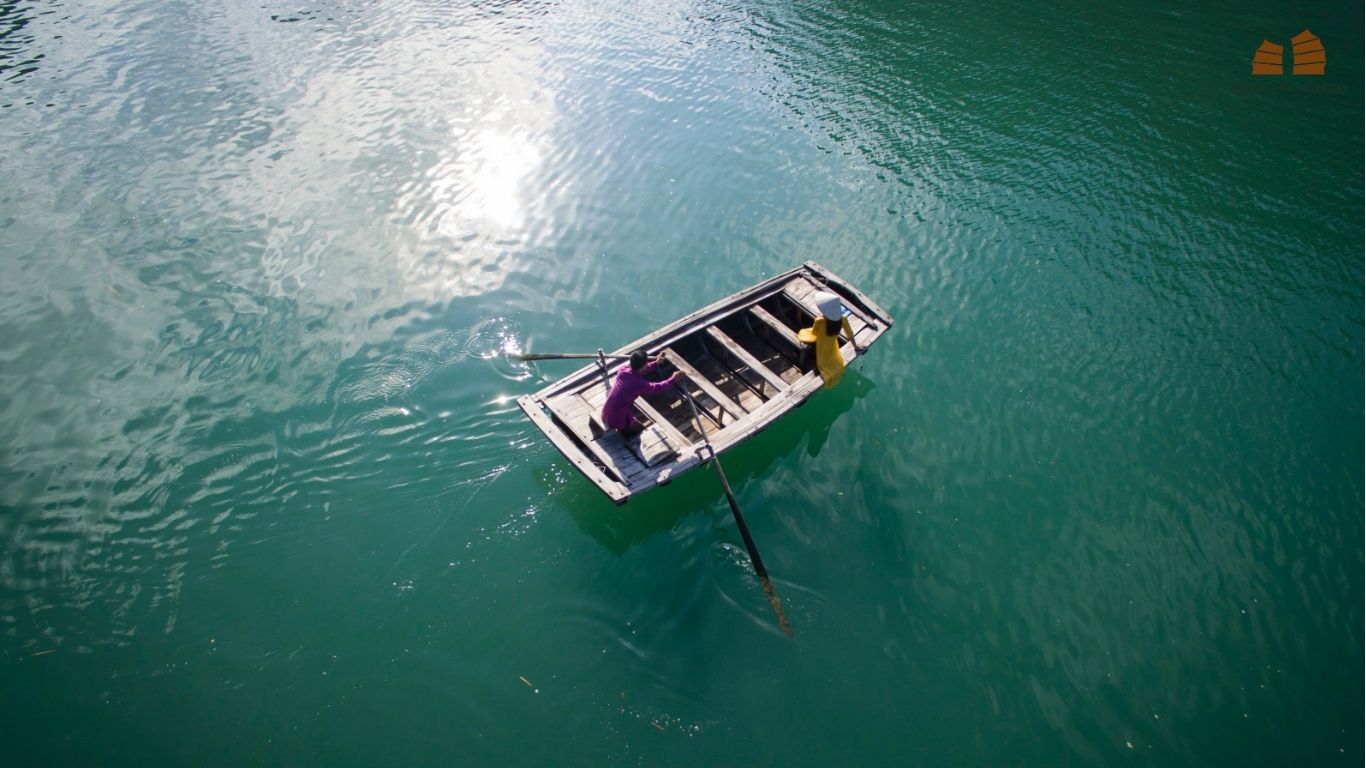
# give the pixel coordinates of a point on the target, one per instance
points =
(491, 170)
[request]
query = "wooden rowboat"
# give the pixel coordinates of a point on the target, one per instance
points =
(743, 365)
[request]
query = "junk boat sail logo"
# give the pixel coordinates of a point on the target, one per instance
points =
(1306, 57)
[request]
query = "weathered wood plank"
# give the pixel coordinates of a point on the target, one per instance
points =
(867, 336)
(594, 415)
(846, 350)
(649, 446)
(618, 457)
(728, 380)
(786, 365)
(814, 311)
(710, 422)
(756, 421)
(745, 357)
(663, 473)
(804, 290)
(798, 393)
(616, 491)
(596, 395)
(568, 406)
(690, 323)
(621, 458)
(778, 326)
(704, 384)
(801, 285)
(874, 315)
(680, 443)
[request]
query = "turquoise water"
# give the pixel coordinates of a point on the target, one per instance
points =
(265, 497)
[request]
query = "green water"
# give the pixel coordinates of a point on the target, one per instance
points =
(265, 497)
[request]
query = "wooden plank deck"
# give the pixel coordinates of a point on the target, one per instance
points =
(784, 362)
(650, 446)
(614, 455)
(676, 438)
(595, 394)
(743, 355)
(743, 385)
(814, 311)
(615, 490)
(592, 400)
(802, 289)
(870, 313)
(847, 350)
(705, 384)
(778, 326)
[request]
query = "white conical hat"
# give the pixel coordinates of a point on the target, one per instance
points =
(829, 305)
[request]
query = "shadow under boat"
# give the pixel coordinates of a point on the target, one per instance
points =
(619, 527)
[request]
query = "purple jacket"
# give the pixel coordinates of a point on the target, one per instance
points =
(616, 412)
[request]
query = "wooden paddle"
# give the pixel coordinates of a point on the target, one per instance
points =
(529, 356)
(754, 559)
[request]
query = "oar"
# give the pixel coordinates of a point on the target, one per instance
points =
(529, 356)
(754, 559)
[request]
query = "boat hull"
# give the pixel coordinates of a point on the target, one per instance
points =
(743, 366)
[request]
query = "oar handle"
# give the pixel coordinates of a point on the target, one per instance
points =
(530, 356)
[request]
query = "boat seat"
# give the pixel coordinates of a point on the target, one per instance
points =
(661, 453)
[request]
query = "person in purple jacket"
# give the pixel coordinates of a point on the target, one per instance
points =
(630, 384)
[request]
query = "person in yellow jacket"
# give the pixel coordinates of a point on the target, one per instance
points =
(825, 334)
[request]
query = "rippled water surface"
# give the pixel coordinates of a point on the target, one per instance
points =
(266, 498)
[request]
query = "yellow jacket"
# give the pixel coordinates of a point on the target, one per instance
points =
(829, 361)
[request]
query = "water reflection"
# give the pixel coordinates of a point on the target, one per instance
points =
(489, 174)
(433, 182)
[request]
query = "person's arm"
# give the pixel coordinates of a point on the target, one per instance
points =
(655, 387)
(844, 323)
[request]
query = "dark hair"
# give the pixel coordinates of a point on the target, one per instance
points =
(638, 360)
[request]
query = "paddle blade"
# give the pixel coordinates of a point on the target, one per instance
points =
(777, 607)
